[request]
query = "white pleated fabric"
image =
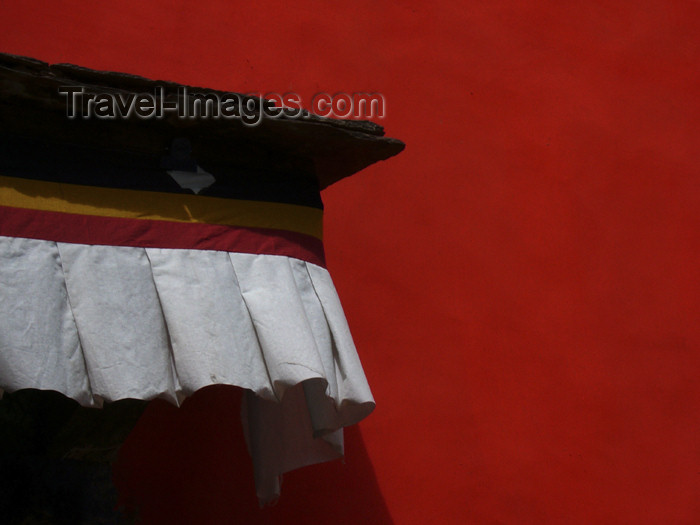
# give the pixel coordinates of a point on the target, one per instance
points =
(102, 323)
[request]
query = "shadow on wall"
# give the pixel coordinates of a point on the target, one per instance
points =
(191, 465)
(55, 458)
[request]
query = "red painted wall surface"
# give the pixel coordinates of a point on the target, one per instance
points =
(522, 282)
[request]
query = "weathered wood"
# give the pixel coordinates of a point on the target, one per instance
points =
(31, 106)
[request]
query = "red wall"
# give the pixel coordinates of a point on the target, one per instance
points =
(522, 282)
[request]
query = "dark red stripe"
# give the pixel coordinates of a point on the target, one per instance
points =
(113, 231)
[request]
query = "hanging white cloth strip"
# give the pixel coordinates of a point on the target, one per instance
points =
(102, 323)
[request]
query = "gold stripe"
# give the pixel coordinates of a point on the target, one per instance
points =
(175, 207)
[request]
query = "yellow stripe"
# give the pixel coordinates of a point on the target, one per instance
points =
(176, 207)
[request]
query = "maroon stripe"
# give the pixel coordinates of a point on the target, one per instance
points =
(117, 231)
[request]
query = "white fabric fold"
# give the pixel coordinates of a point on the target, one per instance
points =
(39, 343)
(106, 323)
